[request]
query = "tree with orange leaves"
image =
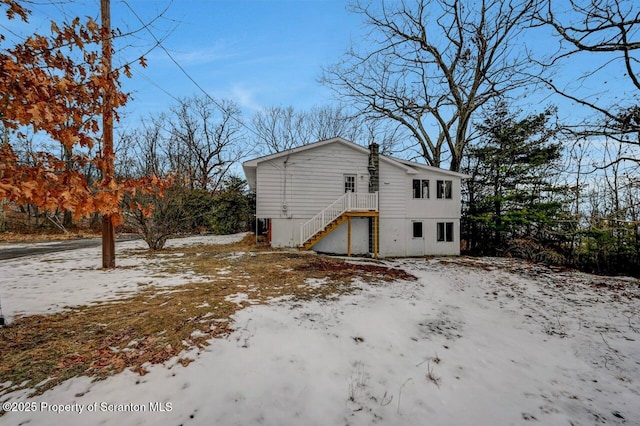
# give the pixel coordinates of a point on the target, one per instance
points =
(57, 85)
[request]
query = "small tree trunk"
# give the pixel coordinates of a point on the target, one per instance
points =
(3, 216)
(67, 219)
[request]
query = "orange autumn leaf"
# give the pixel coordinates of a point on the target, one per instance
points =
(92, 26)
(44, 87)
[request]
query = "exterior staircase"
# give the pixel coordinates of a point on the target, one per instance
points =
(335, 214)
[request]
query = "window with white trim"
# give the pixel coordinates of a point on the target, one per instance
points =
(349, 183)
(443, 188)
(420, 188)
(444, 231)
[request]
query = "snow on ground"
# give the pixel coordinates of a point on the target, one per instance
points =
(463, 345)
(49, 283)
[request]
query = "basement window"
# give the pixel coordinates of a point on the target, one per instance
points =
(420, 188)
(443, 188)
(445, 231)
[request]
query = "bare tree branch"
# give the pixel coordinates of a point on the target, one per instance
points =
(433, 64)
(608, 31)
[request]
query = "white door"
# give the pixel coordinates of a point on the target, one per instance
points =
(416, 240)
(349, 183)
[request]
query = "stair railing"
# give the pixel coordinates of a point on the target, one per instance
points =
(350, 201)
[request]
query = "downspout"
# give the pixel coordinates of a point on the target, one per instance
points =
(285, 206)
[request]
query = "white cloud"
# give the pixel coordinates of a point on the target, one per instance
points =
(245, 97)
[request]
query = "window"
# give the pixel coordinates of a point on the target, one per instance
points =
(349, 183)
(443, 189)
(417, 229)
(445, 231)
(420, 188)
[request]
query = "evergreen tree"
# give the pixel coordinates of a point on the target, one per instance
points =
(511, 195)
(234, 208)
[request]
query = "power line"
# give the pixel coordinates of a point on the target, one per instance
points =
(181, 68)
(146, 77)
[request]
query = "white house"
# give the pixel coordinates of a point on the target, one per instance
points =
(338, 197)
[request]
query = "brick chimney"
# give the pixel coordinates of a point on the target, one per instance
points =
(374, 167)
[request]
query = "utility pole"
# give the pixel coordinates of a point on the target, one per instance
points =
(3, 217)
(108, 230)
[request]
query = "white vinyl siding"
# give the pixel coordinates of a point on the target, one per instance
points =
(336, 242)
(291, 188)
(433, 207)
(308, 181)
(393, 186)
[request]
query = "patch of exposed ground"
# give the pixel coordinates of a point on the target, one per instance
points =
(21, 227)
(156, 324)
(18, 237)
(558, 277)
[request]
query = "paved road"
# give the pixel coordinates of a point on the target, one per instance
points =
(30, 249)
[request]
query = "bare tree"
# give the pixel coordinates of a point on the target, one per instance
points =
(432, 64)
(329, 121)
(607, 32)
(144, 151)
(279, 128)
(206, 135)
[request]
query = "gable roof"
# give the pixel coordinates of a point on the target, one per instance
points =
(421, 166)
(410, 167)
(254, 162)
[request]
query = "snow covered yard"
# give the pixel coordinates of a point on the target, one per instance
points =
(470, 342)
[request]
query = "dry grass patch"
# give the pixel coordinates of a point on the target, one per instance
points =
(18, 237)
(157, 324)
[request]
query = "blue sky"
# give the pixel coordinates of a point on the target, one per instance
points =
(262, 53)
(257, 53)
